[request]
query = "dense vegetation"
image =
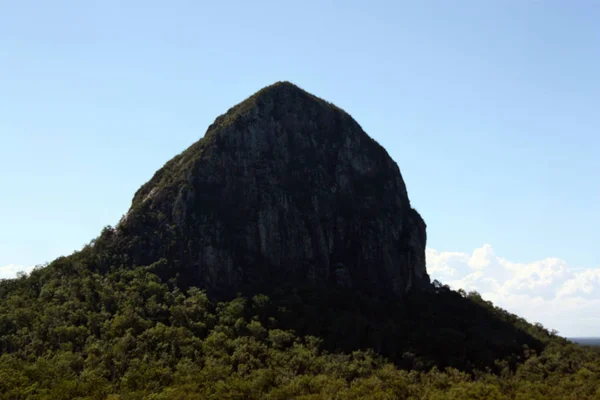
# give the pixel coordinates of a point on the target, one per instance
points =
(72, 331)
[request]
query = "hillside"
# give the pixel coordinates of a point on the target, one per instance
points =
(278, 257)
(69, 333)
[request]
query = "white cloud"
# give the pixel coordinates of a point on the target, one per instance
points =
(586, 282)
(482, 257)
(10, 271)
(548, 291)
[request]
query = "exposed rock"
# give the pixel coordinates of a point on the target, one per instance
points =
(284, 187)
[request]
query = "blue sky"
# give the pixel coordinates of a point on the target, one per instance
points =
(490, 108)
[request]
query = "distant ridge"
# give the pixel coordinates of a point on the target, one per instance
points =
(586, 341)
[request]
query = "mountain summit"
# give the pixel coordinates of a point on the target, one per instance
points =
(284, 188)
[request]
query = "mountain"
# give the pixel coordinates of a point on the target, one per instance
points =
(276, 258)
(285, 188)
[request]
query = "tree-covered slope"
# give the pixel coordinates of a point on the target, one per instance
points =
(69, 332)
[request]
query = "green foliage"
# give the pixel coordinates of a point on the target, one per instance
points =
(70, 332)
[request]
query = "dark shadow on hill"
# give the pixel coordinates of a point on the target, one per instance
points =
(424, 329)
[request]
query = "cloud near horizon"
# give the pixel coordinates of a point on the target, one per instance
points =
(549, 291)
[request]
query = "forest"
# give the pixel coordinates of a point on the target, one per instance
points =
(71, 331)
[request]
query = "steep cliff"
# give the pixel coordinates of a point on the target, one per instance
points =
(284, 187)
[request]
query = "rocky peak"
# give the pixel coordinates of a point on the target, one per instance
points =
(283, 188)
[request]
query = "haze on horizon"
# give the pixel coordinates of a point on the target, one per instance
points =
(489, 109)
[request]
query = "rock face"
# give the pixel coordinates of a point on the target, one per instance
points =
(284, 187)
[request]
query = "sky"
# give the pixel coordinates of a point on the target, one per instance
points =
(490, 109)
